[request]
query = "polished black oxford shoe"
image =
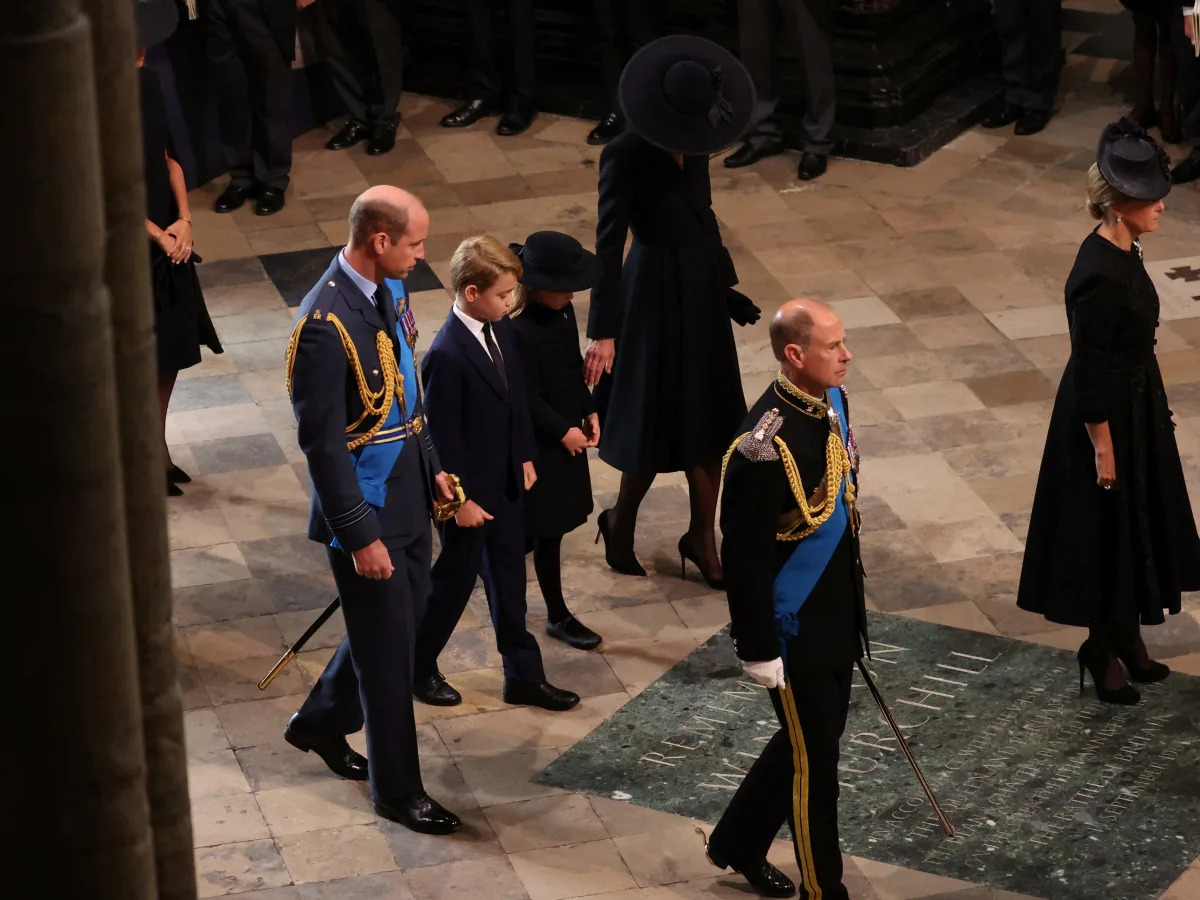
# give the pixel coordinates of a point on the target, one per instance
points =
(270, 201)
(418, 812)
(1188, 170)
(383, 139)
(752, 151)
(233, 197)
(545, 695)
(332, 748)
(767, 880)
(571, 631)
(352, 133)
(436, 692)
(516, 120)
(1002, 115)
(812, 165)
(1031, 122)
(606, 129)
(467, 114)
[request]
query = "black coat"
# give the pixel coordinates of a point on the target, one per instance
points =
(1122, 556)
(326, 401)
(559, 400)
(755, 497)
(675, 396)
(481, 428)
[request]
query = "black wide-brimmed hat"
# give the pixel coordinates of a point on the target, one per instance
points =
(553, 261)
(1132, 162)
(686, 95)
(155, 20)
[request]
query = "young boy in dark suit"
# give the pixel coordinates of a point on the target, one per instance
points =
(476, 401)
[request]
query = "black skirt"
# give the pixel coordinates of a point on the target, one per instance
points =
(1121, 556)
(181, 321)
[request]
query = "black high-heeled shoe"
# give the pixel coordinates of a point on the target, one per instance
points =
(620, 560)
(177, 475)
(1154, 671)
(687, 551)
(173, 490)
(1096, 663)
(762, 876)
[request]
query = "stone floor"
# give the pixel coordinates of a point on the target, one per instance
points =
(949, 279)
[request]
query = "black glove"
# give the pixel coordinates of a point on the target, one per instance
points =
(741, 308)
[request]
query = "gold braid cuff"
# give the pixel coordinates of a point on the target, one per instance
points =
(375, 403)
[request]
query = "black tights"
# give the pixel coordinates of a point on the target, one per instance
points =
(547, 564)
(1151, 40)
(1114, 639)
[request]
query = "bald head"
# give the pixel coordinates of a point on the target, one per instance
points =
(794, 324)
(385, 209)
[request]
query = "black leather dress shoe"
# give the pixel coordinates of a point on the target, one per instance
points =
(270, 201)
(352, 132)
(752, 151)
(767, 880)
(419, 812)
(812, 165)
(571, 631)
(606, 129)
(1031, 122)
(383, 139)
(332, 748)
(1188, 170)
(516, 120)
(434, 691)
(1002, 116)
(233, 197)
(545, 695)
(467, 114)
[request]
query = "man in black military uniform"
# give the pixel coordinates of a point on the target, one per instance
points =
(376, 477)
(796, 603)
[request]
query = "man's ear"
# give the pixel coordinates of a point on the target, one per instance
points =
(470, 293)
(794, 355)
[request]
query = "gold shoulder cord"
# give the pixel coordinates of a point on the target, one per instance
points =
(837, 467)
(375, 403)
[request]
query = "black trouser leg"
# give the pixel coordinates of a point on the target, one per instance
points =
(1030, 34)
(232, 91)
(757, 27)
(450, 585)
(369, 679)
(483, 71)
(795, 778)
(523, 61)
(811, 22)
(1188, 74)
(503, 573)
(387, 61)
(269, 78)
(345, 40)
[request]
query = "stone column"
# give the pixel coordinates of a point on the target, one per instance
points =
(127, 275)
(73, 759)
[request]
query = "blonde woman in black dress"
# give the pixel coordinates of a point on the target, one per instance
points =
(1112, 541)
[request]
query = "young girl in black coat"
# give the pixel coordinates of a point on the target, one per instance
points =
(564, 416)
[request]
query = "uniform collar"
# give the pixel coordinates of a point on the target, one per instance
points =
(366, 285)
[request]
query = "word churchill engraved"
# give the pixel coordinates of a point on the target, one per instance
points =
(1051, 793)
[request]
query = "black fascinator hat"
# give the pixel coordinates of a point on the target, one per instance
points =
(1132, 162)
(687, 95)
(553, 261)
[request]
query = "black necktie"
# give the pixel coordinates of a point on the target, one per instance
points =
(494, 352)
(387, 308)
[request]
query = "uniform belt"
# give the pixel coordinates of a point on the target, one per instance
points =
(415, 425)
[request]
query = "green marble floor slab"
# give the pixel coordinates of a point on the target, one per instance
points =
(1053, 794)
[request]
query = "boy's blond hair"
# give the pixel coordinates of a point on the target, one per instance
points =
(480, 261)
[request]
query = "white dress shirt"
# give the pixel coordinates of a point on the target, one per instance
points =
(476, 329)
(366, 285)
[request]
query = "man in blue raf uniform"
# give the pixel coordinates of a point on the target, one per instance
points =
(796, 604)
(375, 477)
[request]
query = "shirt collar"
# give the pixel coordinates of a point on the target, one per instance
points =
(474, 325)
(365, 285)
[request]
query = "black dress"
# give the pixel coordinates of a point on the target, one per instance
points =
(561, 498)
(181, 320)
(1115, 557)
(675, 397)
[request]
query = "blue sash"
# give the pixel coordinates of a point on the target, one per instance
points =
(373, 463)
(807, 563)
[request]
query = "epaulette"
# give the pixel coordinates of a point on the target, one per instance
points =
(759, 444)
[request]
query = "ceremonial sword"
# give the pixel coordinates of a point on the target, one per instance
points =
(304, 639)
(947, 827)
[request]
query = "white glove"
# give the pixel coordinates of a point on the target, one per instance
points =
(769, 674)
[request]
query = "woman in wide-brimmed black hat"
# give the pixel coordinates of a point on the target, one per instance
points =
(659, 321)
(555, 266)
(1112, 541)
